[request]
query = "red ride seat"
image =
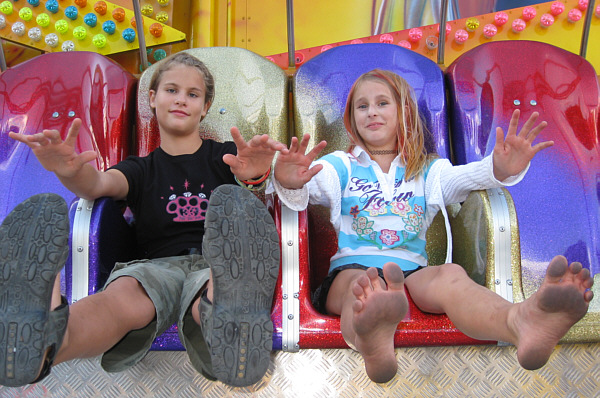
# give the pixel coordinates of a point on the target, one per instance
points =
(48, 92)
(308, 240)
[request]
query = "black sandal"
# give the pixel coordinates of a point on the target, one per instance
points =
(34, 245)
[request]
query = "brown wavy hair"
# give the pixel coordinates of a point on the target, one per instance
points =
(411, 129)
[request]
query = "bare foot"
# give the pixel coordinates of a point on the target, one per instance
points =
(545, 317)
(377, 312)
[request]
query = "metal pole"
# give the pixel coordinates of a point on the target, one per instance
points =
(442, 32)
(380, 18)
(586, 28)
(290, 33)
(139, 23)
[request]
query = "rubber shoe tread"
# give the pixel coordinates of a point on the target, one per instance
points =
(241, 245)
(33, 248)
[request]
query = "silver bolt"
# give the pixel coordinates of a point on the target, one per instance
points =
(509, 282)
(502, 229)
(290, 243)
(431, 42)
(222, 111)
(290, 317)
(79, 249)
(285, 296)
(296, 295)
(497, 281)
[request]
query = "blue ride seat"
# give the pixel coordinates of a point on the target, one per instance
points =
(558, 201)
(320, 89)
(251, 93)
(48, 92)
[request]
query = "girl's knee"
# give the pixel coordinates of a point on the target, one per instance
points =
(450, 272)
(131, 294)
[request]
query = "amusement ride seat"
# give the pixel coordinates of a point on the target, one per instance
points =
(320, 89)
(42, 93)
(558, 200)
(251, 93)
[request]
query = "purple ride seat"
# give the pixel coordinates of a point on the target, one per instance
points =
(320, 89)
(48, 92)
(558, 201)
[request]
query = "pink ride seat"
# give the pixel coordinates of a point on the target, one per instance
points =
(48, 92)
(558, 200)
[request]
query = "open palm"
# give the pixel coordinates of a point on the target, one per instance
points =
(513, 153)
(53, 153)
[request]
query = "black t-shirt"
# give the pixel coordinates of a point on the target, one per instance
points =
(168, 196)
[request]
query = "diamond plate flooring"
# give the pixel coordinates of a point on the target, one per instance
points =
(465, 371)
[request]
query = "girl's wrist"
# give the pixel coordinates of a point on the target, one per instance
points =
(254, 184)
(258, 180)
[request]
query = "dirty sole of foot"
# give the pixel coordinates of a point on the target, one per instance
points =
(33, 248)
(241, 245)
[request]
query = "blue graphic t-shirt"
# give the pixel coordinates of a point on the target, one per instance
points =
(382, 215)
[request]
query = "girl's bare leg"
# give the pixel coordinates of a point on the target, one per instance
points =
(370, 312)
(98, 322)
(534, 326)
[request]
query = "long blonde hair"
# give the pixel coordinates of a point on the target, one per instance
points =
(411, 129)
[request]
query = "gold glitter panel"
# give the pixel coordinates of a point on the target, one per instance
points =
(250, 93)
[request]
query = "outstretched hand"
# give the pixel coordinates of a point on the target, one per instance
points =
(513, 153)
(254, 157)
(292, 169)
(53, 153)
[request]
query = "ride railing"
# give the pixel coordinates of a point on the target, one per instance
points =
(253, 94)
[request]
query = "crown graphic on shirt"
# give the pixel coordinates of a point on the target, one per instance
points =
(188, 207)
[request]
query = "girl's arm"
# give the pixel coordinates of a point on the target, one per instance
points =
(71, 168)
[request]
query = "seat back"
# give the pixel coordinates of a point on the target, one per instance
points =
(321, 86)
(250, 93)
(48, 92)
(557, 202)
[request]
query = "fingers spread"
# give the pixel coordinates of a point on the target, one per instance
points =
(499, 137)
(514, 122)
(237, 138)
(542, 145)
(73, 132)
(231, 160)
